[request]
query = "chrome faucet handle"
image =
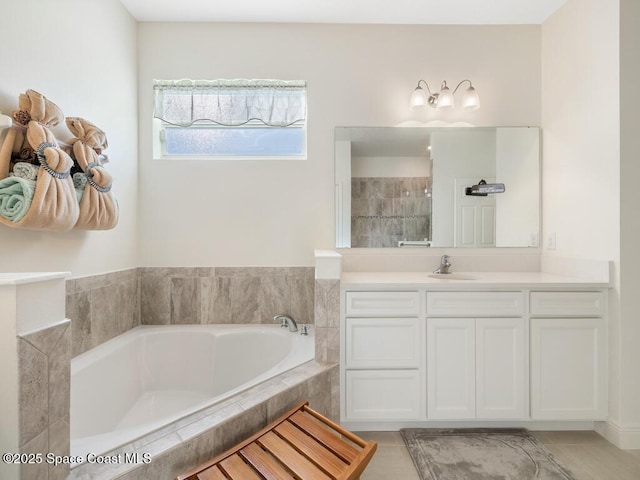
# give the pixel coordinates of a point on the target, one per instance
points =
(304, 329)
(445, 265)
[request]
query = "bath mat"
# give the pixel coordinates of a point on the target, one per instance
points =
(480, 454)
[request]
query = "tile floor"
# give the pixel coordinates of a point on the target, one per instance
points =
(586, 454)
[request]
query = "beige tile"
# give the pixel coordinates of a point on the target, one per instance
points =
(302, 298)
(78, 310)
(284, 401)
(390, 462)
(33, 391)
(239, 427)
(60, 378)
(327, 303)
(59, 445)
(185, 300)
(569, 437)
(274, 298)
(104, 315)
(35, 471)
(46, 338)
(154, 300)
(128, 300)
(244, 293)
(383, 438)
(597, 462)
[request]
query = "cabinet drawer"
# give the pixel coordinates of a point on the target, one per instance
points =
(383, 303)
(567, 303)
(475, 304)
(383, 342)
(384, 395)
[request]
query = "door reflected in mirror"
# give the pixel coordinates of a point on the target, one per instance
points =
(409, 187)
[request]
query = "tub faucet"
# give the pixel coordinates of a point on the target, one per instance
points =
(286, 321)
(445, 265)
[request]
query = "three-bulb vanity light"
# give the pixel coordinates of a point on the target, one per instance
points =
(444, 99)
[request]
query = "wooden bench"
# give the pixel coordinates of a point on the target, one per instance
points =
(302, 444)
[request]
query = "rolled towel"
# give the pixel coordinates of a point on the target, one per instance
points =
(25, 170)
(79, 180)
(79, 184)
(16, 195)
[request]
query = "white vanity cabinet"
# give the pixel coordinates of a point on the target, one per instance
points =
(476, 366)
(568, 356)
(516, 348)
(383, 356)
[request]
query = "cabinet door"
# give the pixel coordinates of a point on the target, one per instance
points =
(383, 342)
(450, 368)
(384, 395)
(500, 368)
(568, 367)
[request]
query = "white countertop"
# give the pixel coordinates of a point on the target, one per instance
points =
(480, 281)
(19, 278)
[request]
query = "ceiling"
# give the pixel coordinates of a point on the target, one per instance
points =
(449, 12)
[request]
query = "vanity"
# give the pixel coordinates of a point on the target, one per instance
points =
(476, 348)
(479, 347)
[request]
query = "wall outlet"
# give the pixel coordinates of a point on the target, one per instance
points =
(551, 241)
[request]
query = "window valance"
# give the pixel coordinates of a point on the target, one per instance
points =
(231, 102)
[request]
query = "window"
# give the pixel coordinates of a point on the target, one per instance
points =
(235, 119)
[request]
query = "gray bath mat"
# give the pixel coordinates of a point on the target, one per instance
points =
(480, 454)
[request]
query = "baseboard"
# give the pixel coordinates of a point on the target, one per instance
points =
(624, 437)
(365, 426)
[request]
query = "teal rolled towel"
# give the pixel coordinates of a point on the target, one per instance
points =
(16, 195)
(25, 170)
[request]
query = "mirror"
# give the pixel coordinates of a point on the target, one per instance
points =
(409, 187)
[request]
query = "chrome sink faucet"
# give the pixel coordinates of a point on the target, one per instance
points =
(445, 265)
(286, 321)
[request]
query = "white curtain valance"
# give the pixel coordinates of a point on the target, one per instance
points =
(231, 102)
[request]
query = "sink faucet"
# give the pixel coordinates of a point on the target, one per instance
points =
(286, 321)
(445, 265)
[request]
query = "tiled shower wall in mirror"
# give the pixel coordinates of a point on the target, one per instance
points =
(387, 210)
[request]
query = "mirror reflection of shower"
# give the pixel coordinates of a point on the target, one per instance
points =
(390, 200)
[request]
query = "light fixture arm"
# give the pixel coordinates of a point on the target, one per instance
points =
(456, 89)
(426, 85)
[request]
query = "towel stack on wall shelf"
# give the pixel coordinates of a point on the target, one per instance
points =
(51, 201)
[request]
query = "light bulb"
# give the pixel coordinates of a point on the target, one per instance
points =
(471, 100)
(445, 98)
(418, 99)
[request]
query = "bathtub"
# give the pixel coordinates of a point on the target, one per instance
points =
(152, 376)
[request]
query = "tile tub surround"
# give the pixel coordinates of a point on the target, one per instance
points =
(226, 294)
(44, 372)
(104, 306)
(209, 432)
(327, 320)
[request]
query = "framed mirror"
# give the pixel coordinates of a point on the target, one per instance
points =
(409, 187)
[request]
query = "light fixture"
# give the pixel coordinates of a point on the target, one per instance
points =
(444, 99)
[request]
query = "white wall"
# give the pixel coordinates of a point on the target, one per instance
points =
(82, 56)
(390, 167)
(580, 118)
(518, 167)
(629, 331)
(590, 101)
(277, 212)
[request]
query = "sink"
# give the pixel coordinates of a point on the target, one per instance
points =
(452, 276)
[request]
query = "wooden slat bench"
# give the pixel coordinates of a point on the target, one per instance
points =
(300, 445)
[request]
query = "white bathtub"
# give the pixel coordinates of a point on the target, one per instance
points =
(151, 376)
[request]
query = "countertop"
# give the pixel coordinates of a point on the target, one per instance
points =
(30, 277)
(479, 281)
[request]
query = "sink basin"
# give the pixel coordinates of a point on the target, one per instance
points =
(452, 276)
